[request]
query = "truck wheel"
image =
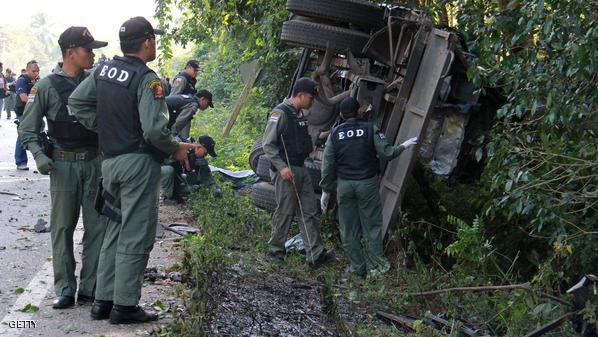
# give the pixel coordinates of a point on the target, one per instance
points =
(362, 13)
(263, 168)
(254, 154)
(317, 35)
(315, 173)
(262, 195)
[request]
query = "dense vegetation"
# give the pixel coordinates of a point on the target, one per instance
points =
(533, 214)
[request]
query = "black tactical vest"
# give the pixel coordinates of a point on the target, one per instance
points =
(296, 137)
(355, 153)
(19, 104)
(65, 128)
(175, 104)
(119, 128)
(190, 88)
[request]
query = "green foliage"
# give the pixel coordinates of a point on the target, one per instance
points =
(471, 249)
(541, 172)
(225, 35)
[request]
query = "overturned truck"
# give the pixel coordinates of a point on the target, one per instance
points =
(410, 78)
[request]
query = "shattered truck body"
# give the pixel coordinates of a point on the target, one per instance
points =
(409, 77)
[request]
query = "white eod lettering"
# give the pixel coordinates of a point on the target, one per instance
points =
(351, 134)
(112, 72)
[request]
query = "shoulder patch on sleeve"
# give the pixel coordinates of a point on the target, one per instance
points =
(156, 87)
(381, 135)
(275, 116)
(32, 94)
(178, 81)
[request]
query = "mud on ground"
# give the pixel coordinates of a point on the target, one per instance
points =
(275, 305)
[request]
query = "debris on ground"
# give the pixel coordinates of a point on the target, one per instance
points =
(40, 226)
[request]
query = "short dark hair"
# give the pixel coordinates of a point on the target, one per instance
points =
(31, 63)
(132, 46)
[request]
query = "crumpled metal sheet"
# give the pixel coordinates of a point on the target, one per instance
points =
(448, 145)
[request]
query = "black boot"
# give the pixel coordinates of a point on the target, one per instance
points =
(101, 309)
(124, 314)
(63, 302)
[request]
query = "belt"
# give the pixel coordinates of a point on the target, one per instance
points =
(62, 155)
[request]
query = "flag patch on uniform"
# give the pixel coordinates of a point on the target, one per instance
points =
(156, 87)
(32, 94)
(381, 135)
(275, 116)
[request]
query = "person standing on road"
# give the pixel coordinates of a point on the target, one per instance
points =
(25, 92)
(73, 164)
(9, 104)
(350, 167)
(3, 88)
(123, 100)
(184, 84)
(287, 144)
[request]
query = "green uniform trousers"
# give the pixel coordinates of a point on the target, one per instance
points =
(133, 179)
(73, 185)
(360, 215)
(167, 181)
(287, 207)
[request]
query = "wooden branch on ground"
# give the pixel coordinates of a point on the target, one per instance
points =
(524, 286)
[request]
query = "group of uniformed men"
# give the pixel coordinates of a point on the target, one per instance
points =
(349, 170)
(108, 134)
(110, 130)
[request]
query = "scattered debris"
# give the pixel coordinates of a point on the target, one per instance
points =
(17, 199)
(8, 193)
(40, 226)
(295, 244)
(180, 228)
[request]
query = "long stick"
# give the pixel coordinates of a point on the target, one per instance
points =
(298, 200)
(523, 286)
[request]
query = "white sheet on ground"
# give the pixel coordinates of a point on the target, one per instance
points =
(233, 174)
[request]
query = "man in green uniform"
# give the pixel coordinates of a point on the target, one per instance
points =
(182, 108)
(287, 144)
(350, 167)
(123, 100)
(73, 165)
(184, 84)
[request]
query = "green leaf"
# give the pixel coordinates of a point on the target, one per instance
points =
(29, 308)
(19, 291)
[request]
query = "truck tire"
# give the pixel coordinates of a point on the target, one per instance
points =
(263, 168)
(262, 195)
(317, 35)
(315, 173)
(255, 154)
(362, 13)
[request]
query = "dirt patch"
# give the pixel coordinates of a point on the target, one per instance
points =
(274, 305)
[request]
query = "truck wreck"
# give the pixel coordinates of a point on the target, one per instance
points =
(410, 78)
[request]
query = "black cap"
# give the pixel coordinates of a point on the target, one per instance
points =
(207, 95)
(193, 64)
(74, 37)
(136, 28)
(305, 84)
(207, 142)
(349, 107)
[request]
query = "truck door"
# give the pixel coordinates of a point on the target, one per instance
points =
(434, 62)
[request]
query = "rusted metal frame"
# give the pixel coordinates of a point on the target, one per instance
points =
(321, 75)
(396, 116)
(419, 105)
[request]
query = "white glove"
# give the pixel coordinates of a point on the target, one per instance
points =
(324, 201)
(409, 142)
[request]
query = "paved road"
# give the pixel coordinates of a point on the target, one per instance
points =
(26, 260)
